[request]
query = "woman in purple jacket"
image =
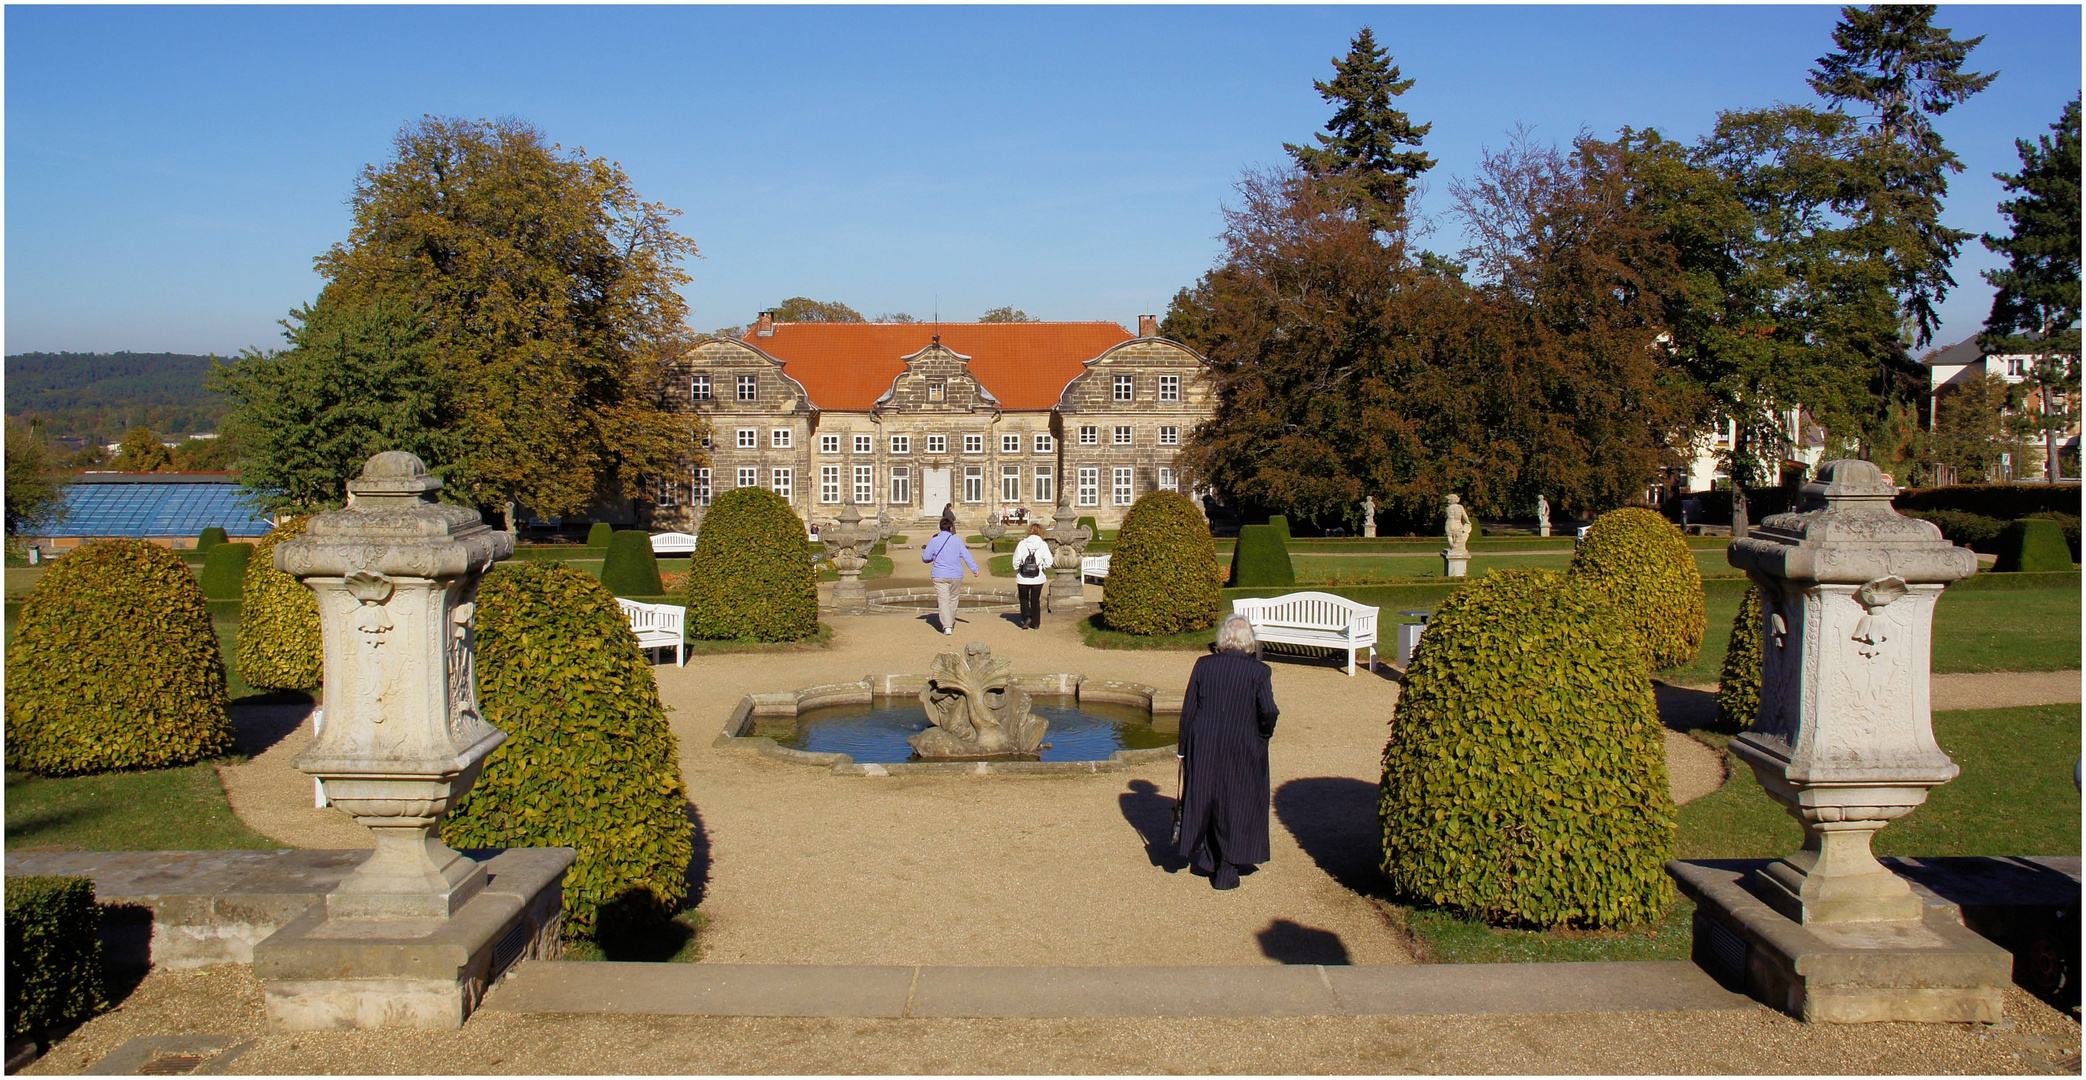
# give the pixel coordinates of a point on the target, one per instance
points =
(949, 556)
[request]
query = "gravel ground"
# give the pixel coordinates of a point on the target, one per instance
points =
(227, 1002)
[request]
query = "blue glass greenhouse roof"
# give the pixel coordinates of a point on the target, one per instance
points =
(157, 504)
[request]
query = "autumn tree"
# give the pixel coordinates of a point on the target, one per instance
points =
(1369, 141)
(35, 498)
(546, 291)
(2036, 308)
(1969, 427)
(141, 452)
(805, 309)
(220, 454)
(1005, 314)
(357, 379)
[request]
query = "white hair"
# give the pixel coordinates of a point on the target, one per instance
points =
(1235, 634)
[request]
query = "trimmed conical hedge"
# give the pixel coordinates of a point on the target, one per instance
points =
(598, 534)
(2033, 545)
(114, 665)
(210, 538)
(1738, 686)
(224, 570)
(1525, 777)
(589, 762)
(1162, 577)
(279, 644)
(1259, 560)
(630, 568)
(750, 578)
(1643, 563)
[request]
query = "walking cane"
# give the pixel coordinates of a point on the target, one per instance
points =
(1180, 795)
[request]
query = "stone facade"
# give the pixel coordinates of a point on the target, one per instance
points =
(1099, 429)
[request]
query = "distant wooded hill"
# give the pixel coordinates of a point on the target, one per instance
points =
(99, 396)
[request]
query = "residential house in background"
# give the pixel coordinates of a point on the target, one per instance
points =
(1948, 369)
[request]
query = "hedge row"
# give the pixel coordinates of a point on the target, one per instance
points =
(2003, 501)
(54, 974)
(279, 646)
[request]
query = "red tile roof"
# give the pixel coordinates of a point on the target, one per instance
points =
(850, 365)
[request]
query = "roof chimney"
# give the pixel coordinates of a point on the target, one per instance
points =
(1147, 326)
(765, 326)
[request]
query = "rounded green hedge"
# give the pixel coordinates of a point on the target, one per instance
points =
(750, 578)
(598, 534)
(224, 570)
(1525, 777)
(1162, 576)
(1260, 559)
(210, 538)
(630, 568)
(589, 762)
(115, 665)
(1280, 522)
(2033, 545)
(1643, 563)
(1738, 686)
(279, 644)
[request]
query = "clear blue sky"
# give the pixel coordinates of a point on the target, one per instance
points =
(171, 171)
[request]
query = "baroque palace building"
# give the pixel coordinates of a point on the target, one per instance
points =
(997, 418)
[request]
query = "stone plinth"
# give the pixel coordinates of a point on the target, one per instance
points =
(320, 973)
(1454, 564)
(1068, 541)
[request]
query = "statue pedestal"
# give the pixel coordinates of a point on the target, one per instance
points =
(849, 597)
(1455, 563)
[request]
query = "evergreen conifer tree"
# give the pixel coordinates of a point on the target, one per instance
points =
(2036, 307)
(1371, 143)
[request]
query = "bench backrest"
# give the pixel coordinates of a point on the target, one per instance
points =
(676, 542)
(643, 617)
(1316, 610)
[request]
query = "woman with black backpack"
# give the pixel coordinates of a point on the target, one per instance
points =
(1031, 569)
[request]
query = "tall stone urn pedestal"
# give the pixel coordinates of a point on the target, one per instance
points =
(1844, 740)
(415, 934)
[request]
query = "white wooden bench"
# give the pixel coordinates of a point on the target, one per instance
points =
(1314, 618)
(1094, 566)
(673, 543)
(657, 626)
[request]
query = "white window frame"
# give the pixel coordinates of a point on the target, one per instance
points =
(937, 444)
(1125, 388)
(699, 388)
(1089, 435)
(937, 391)
(865, 485)
(902, 486)
(749, 439)
(669, 493)
(1010, 444)
(865, 444)
(1089, 486)
(1046, 485)
(829, 444)
(1168, 479)
(974, 444)
(901, 444)
(779, 438)
(1169, 388)
(1010, 483)
(1169, 435)
(747, 388)
(1046, 443)
(749, 476)
(783, 482)
(702, 487)
(829, 484)
(1122, 435)
(1125, 486)
(974, 483)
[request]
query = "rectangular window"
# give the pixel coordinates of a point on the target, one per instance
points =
(779, 438)
(1122, 487)
(974, 483)
(865, 443)
(937, 444)
(779, 479)
(829, 484)
(901, 444)
(1089, 435)
(974, 444)
(699, 388)
(1122, 435)
(1046, 444)
(865, 484)
(937, 391)
(668, 494)
(749, 439)
(1046, 485)
(1010, 444)
(829, 444)
(1124, 387)
(749, 477)
(702, 487)
(746, 385)
(1168, 479)
(1169, 436)
(1089, 487)
(1169, 388)
(902, 486)
(1010, 483)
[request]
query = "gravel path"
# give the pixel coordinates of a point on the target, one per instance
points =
(227, 1002)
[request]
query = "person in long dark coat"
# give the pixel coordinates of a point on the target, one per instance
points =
(1227, 717)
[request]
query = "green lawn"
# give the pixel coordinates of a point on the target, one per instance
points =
(2013, 798)
(157, 810)
(1368, 568)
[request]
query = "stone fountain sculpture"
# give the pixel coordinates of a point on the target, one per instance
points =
(975, 713)
(1068, 541)
(1455, 559)
(848, 543)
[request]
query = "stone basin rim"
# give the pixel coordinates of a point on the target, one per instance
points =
(1164, 706)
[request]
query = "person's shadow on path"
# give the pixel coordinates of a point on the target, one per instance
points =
(1151, 814)
(1334, 819)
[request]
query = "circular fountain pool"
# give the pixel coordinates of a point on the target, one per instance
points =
(877, 731)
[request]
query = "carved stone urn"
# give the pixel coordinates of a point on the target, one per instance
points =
(396, 575)
(848, 542)
(1844, 738)
(1068, 541)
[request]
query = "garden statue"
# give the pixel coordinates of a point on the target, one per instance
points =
(1542, 516)
(1456, 560)
(1369, 517)
(975, 714)
(848, 543)
(1068, 541)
